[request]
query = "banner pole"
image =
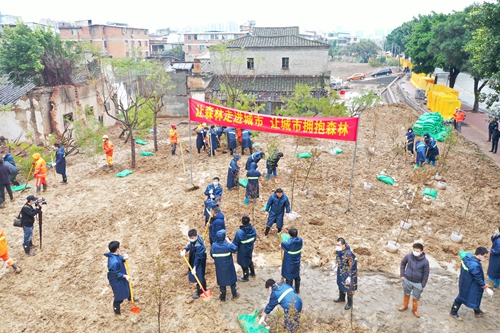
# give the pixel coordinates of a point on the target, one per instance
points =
(190, 143)
(353, 165)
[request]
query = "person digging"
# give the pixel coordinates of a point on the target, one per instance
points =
(197, 261)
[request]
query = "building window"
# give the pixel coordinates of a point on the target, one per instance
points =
(189, 37)
(91, 41)
(126, 43)
(250, 63)
(139, 43)
(73, 31)
(132, 42)
(105, 45)
(127, 54)
(146, 43)
(285, 63)
(103, 30)
(93, 31)
(124, 31)
(145, 32)
(202, 47)
(189, 47)
(195, 37)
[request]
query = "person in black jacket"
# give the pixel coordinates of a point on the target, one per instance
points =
(494, 140)
(4, 183)
(28, 214)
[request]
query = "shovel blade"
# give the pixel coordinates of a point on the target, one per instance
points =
(206, 294)
(135, 309)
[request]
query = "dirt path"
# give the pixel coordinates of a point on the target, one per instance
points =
(64, 287)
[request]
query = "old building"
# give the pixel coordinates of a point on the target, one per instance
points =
(269, 63)
(197, 43)
(117, 40)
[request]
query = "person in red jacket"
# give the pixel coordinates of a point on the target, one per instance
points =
(4, 253)
(108, 148)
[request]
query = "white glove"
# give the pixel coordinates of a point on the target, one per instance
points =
(228, 240)
(212, 196)
(348, 280)
(54, 164)
(211, 191)
(125, 256)
(183, 253)
(261, 320)
(334, 266)
(489, 291)
(127, 277)
(193, 271)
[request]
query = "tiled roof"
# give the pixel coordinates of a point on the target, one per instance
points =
(9, 93)
(278, 31)
(274, 41)
(272, 83)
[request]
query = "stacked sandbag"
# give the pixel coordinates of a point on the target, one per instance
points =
(432, 123)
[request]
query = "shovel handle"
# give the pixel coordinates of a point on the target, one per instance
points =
(206, 228)
(196, 277)
(129, 281)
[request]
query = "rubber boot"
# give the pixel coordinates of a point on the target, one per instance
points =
(268, 176)
(252, 270)
(222, 296)
(478, 313)
(349, 302)
(28, 251)
(341, 298)
(415, 308)
(32, 245)
(297, 285)
(251, 150)
(267, 231)
(279, 230)
(406, 301)
(246, 201)
(38, 188)
(234, 293)
(454, 311)
(16, 268)
(245, 275)
(44, 187)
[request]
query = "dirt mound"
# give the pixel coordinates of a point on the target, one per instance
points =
(64, 287)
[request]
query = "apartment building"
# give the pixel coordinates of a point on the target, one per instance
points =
(117, 40)
(197, 43)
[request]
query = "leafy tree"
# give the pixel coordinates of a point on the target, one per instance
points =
(176, 52)
(448, 44)
(484, 21)
(367, 99)
(37, 56)
(302, 103)
(364, 49)
(401, 35)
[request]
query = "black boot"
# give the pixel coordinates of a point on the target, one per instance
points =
(349, 302)
(28, 251)
(251, 150)
(279, 230)
(454, 311)
(44, 187)
(341, 298)
(222, 296)
(478, 313)
(245, 275)
(65, 180)
(116, 308)
(32, 245)
(38, 189)
(16, 268)
(252, 270)
(234, 293)
(267, 231)
(297, 285)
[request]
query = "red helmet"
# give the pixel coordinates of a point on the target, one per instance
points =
(173, 126)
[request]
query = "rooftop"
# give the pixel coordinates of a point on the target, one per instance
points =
(276, 31)
(272, 83)
(274, 41)
(9, 93)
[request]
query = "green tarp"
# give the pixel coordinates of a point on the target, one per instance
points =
(18, 188)
(250, 323)
(123, 173)
(335, 151)
(140, 142)
(430, 192)
(243, 182)
(385, 179)
(432, 123)
(147, 153)
(304, 155)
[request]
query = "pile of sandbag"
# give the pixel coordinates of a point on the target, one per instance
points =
(432, 123)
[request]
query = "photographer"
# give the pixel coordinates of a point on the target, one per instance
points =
(28, 214)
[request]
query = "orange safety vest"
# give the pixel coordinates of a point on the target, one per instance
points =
(3, 244)
(173, 136)
(108, 147)
(40, 167)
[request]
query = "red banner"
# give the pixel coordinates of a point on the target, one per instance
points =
(332, 128)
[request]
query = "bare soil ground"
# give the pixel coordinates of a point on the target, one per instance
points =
(64, 287)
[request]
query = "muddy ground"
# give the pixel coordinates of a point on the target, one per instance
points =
(64, 287)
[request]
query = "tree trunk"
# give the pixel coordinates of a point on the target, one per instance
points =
(477, 91)
(132, 149)
(453, 76)
(155, 137)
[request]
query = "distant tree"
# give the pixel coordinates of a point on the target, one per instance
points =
(37, 56)
(365, 49)
(176, 52)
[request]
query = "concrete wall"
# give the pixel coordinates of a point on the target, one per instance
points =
(42, 111)
(176, 103)
(268, 61)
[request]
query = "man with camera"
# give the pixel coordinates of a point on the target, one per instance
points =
(28, 214)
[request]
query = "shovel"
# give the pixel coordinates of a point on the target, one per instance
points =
(206, 293)
(54, 169)
(134, 308)
(206, 228)
(27, 178)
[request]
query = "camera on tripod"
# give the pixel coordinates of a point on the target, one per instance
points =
(40, 201)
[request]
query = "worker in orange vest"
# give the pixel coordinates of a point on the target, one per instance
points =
(4, 253)
(108, 148)
(174, 138)
(460, 117)
(40, 172)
